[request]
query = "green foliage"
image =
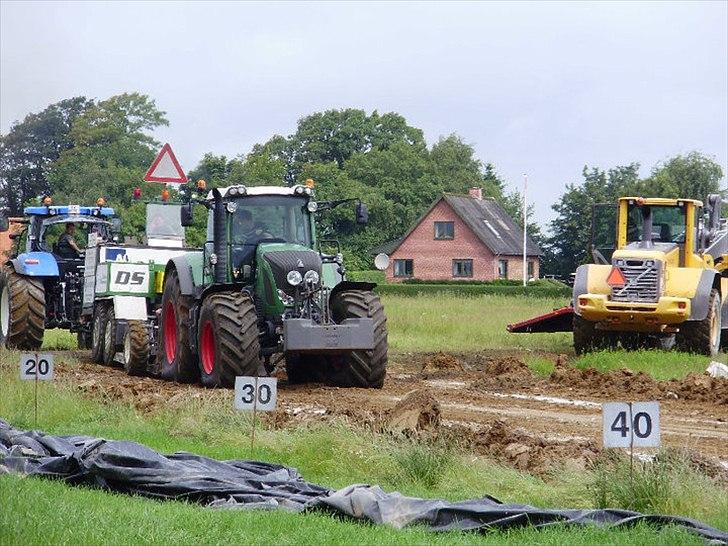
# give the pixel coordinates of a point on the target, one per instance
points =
(661, 365)
(422, 463)
(366, 276)
(29, 149)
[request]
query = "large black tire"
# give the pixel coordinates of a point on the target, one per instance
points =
(109, 344)
(364, 369)
(702, 336)
(22, 310)
(588, 339)
(136, 348)
(98, 332)
(176, 361)
(228, 339)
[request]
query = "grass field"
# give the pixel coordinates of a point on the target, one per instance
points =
(39, 511)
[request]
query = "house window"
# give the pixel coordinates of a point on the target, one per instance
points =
(502, 269)
(403, 268)
(462, 268)
(444, 230)
(530, 270)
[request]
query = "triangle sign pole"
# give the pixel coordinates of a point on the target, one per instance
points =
(165, 168)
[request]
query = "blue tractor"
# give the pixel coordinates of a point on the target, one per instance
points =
(41, 284)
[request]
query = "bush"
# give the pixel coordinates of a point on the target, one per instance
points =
(421, 463)
(366, 276)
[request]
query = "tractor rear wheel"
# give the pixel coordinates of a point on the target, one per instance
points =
(136, 348)
(365, 369)
(22, 310)
(109, 340)
(228, 339)
(97, 333)
(702, 336)
(176, 361)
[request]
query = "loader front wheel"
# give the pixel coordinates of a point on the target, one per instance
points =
(136, 348)
(702, 336)
(228, 339)
(587, 338)
(365, 369)
(176, 361)
(22, 310)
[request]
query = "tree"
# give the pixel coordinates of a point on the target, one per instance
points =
(692, 176)
(29, 149)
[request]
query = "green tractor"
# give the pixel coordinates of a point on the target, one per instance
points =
(262, 289)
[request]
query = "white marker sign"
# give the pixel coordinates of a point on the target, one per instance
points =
(259, 393)
(631, 424)
(36, 366)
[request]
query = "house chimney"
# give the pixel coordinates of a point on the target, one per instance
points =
(476, 193)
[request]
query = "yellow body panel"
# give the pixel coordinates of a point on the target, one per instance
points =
(631, 316)
(159, 282)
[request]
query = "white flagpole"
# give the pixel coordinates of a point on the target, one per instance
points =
(525, 218)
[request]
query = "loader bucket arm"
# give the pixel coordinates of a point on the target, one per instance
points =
(558, 320)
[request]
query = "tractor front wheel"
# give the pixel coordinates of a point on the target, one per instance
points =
(176, 361)
(136, 348)
(97, 333)
(109, 340)
(228, 339)
(702, 336)
(365, 369)
(22, 310)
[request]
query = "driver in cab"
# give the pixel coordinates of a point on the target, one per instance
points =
(248, 234)
(67, 246)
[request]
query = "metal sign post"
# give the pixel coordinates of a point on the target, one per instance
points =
(36, 367)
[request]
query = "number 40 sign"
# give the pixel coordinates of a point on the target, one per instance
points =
(631, 424)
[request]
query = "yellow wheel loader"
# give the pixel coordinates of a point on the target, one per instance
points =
(660, 279)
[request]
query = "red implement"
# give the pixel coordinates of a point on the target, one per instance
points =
(558, 320)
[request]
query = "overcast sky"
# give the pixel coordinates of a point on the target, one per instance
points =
(541, 88)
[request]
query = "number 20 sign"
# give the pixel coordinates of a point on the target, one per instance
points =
(631, 424)
(36, 366)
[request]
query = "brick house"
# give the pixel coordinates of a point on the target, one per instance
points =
(462, 237)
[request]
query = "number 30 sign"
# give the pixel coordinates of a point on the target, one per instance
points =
(257, 393)
(631, 424)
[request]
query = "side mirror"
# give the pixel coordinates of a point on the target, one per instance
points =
(186, 216)
(362, 214)
(4, 224)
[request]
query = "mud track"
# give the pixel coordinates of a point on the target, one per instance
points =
(491, 402)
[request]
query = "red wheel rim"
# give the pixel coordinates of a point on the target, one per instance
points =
(170, 332)
(207, 348)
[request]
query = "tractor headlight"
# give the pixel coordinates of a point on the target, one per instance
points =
(298, 190)
(312, 206)
(231, 206)
(294, 278)
(233, 191)
(311, 277)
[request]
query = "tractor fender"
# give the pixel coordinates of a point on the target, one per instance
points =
(699, 303)
(581, 285)
(351, 285)
(36, 264)
(184, 273)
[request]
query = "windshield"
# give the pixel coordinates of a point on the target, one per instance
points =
(668, 223)
(163, 222)
(270, 217)
(52, 228)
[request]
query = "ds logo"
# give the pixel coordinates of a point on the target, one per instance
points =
(126, 277)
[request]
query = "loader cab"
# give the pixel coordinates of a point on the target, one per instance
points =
(163, 226)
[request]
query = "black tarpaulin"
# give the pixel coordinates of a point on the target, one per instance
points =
(133, 468)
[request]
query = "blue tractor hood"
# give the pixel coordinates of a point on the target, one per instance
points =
(36, 264)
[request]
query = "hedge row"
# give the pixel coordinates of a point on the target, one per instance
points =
(539, 291)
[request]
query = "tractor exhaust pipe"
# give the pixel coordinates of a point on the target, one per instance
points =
(219, 244)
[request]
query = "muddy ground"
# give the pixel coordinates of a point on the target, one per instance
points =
(490, 403)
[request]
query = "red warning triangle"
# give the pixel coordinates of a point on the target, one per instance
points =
(616, 277)
(165, 168)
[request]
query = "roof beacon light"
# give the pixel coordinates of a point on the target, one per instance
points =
(137, 193)
(47, 201)
(165, 194)
(100, 202)
(310, 183)
(201, 185)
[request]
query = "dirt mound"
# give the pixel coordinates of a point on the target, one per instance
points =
(533, 454)
(417, 412)
(699, 387)
(442, 361)
(504, 373)
(610, 384)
